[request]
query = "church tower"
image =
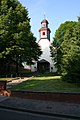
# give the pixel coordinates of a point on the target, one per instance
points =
(45, 63)
(44, 31)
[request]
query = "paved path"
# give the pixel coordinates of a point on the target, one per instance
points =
(2, 98)
(17, 81)
(60, 109)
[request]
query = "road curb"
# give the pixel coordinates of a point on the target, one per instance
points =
(40, 112)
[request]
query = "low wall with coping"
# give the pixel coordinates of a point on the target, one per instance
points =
(48, 96)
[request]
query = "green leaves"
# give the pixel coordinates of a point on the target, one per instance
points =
(68, 54)
(59, 41)
(16, 38)
(70, 60)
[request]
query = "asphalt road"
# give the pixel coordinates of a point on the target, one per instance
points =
(6, 114)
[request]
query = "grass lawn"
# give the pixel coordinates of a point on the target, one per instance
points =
(47, 84)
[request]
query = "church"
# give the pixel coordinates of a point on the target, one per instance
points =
(45, 62)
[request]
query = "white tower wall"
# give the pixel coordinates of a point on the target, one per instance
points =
(44, 42)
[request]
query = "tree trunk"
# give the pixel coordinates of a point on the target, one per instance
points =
(17, 71)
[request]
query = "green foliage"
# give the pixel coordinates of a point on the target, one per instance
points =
(71, 56)
(68, 26)
(17, 42)
(67, 43)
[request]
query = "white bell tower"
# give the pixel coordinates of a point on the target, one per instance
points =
(45, 62)
(44, 31)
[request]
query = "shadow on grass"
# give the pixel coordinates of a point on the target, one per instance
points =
(46, 84)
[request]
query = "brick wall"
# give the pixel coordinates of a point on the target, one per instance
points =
(48, 96)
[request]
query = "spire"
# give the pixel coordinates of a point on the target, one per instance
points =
(44, 20)
(44, 15)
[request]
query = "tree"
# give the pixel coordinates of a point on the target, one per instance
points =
(68, 26)
(17, 42)
(71, 55)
